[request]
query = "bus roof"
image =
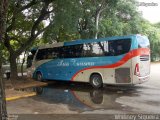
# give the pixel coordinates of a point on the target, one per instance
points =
(81, 41)
(59, 44)
(97, 40)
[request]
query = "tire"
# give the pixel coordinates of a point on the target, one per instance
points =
(96, 81)
(39, 77)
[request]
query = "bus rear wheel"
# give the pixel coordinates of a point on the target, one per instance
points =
(96, 81)
(39, 77)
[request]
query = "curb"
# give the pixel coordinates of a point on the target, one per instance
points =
(22, 96)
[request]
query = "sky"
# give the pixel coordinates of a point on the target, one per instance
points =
(150, 11)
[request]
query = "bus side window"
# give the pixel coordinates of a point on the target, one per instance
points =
(111, 51)
(87, 49)
(119, 49)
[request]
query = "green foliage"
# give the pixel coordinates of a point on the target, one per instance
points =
(76, 19)
(65, 18)
(153, 33)
(4, 53)
(21, 22)
(157, 25)
(123, 20)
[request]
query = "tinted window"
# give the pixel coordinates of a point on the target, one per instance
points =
(48, 53)
(95, 49)
(106, 48)
(119, 47)
(72, 51)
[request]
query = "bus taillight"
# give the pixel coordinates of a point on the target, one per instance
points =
(136, 70)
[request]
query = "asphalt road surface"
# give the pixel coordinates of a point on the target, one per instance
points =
(73, 98)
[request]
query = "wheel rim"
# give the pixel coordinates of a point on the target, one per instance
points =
(96, 81)
(39, 77)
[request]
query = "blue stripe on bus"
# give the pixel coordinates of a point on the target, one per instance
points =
(64, 69)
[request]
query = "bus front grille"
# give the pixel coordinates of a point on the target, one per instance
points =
(122, 75)
(144, 57)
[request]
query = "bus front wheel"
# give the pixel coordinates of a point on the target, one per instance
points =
(96, 81)
(39, 77)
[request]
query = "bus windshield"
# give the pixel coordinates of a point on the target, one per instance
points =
(143, 42)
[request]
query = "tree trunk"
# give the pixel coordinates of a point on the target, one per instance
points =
(97, 25)
(99, 10)
(13, 66)
(3, 111)
(3, 12)
(23, 61)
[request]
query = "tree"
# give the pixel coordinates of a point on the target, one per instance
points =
(93, 13)
(3, 11)
(64, 27)
(157, 25)
(94, 18)
(79, 19)
(124, 19)
(25, 23)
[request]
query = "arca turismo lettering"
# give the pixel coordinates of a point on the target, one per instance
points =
(74, 63)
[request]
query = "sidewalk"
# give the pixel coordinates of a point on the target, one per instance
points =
(12, 94)
(21, 88)
(158, 62)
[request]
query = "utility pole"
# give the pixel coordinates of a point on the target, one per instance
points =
(3, 12)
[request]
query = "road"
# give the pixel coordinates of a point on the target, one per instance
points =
(73, 98)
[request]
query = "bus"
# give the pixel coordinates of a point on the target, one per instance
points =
(118, 60)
